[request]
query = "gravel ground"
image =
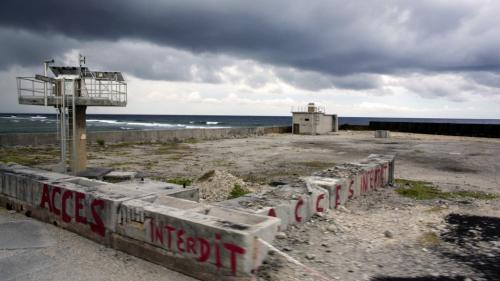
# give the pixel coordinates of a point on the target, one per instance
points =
(383, 236)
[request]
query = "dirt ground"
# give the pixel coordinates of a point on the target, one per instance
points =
(444, 160)
(381, 236)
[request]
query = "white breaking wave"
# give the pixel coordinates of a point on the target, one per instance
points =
(128, 125)
(38, 117)
(105, 121)
(154, 124)
(205, 127)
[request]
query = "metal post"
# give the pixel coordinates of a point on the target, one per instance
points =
(45, 64)
(73, 140)
(63, 127)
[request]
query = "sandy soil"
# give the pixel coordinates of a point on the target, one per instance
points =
(382, 236)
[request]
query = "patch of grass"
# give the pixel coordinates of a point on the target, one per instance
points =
(100, 142)
(237, 191)
(316, 164)
(180, 181)
(436, 209)
(421, 190)
(206, 175)
(175, 157)
(122, 164)
(169, 148)
(28, 156)
(121, 144)
(191, 141)
(475, 195)
(150, 164)
(429, 239)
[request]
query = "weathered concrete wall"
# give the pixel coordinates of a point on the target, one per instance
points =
(293, 203)
(296, 202)
(145, 219)
(152, 221)
(34, 139)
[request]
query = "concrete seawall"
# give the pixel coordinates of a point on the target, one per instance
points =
(452, 129)
(35, 139)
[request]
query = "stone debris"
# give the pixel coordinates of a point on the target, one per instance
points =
(281, 235)
(310, 256)
(218, 185)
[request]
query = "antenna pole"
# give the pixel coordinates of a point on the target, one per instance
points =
(45, 68)
(45, 65)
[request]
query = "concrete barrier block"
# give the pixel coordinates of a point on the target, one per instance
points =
(216, 241)
(338, 189)
(292, 203)
(369, 177)
(81, 209)
(319, 201)
(388, 170)
(282, 211)
(382, 134)
(384, 161)
(262, 205)
(10, 185)
(2, 183)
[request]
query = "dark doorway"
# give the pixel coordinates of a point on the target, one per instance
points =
(296, 128)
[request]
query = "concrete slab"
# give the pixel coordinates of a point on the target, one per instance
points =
(24, 235)
(95, 172)
(119, 176)
(73, 257)
(20, 265)
(149, 187)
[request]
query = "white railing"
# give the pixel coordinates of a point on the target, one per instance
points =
(31, 87)
(115, 91)
(93, 89)
(305, 108)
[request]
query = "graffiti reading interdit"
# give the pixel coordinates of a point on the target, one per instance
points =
(177, 240)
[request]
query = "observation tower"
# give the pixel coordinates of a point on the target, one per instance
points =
(70, 90)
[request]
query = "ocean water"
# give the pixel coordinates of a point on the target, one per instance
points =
(31, 123)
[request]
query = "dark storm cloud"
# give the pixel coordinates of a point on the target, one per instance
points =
(19, 47)
(330, 37)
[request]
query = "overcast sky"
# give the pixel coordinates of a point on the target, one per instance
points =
(426, 58)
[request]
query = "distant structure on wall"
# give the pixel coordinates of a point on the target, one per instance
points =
(71, 90)
(312, 120)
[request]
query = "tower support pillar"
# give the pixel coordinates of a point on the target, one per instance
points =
(79, 133)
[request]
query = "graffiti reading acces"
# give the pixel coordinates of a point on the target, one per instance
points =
(53, 196)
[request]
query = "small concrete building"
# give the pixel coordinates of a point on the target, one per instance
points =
(312, 120)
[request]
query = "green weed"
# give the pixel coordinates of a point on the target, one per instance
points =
(237, 191)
